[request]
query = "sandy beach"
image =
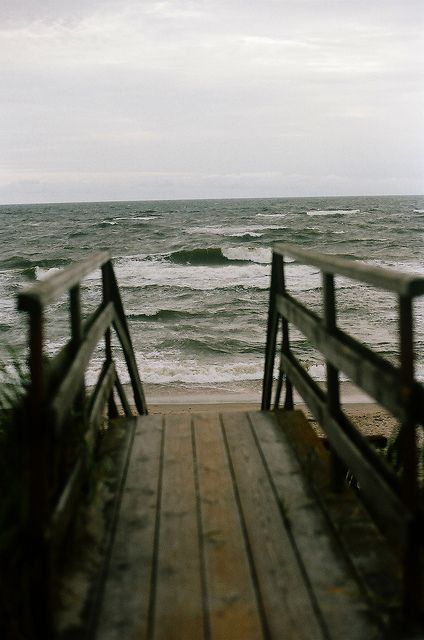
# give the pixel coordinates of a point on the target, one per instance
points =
(369, 418)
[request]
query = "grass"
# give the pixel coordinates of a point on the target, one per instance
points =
(13, 504)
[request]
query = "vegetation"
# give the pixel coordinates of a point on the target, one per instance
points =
(13, 506)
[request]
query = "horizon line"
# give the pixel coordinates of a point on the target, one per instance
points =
(59, 202)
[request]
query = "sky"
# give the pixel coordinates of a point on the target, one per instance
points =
(133, 100)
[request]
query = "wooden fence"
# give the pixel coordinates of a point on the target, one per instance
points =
(62, 418)
(392, 495)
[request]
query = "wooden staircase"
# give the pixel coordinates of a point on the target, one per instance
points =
(228, 528)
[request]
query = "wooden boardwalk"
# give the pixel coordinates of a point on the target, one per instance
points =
(233, 525)
(219, 536)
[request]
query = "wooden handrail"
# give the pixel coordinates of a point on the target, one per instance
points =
(404, 284)
(59, 405)
(393, 500)
(56, 284)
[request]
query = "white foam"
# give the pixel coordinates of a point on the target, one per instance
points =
(145, 273)
(319, 372)
(173, 368)
(139, 218)
(332, 212)
(42, 274)
(418, 210)
(254, 230)
(411, 267)
(271, 215)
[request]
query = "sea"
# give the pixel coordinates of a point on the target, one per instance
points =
(194, 278)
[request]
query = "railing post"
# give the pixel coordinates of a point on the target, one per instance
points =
(76, 338)
(285, 345)
(39, 445)
(408, 454)
(107, 297)
(332, 374)
(140, 401)
(271, 338)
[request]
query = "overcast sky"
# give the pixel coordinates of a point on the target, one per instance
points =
(150, 99)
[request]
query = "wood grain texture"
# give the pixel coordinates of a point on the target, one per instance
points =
(125, 609)
(232, 602)
(178, 601)
(339, 598)
(286, 599)
(375, 565)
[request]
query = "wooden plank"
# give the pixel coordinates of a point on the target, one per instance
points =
(339, 598)
(127, 348)
(372, 373)
(408, 284)
(124, 336)
(286, 600)
(375, 566)
(65, 507)
(378, 483)
(73, 379)
(123, 397)
(125, 606)
(102, 392)
(178, 603)
(51, 288)
(232, 604)
(277, 274)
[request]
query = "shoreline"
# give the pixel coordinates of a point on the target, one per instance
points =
(249, 392)
(367, 416)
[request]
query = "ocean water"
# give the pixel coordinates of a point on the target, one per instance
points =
(194, 278)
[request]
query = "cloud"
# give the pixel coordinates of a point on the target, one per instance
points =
(210, 89)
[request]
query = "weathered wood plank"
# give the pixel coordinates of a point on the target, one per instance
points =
(178, 603)
(372, 373)
(286, 599)
(375, 566)
(101, 392)
(65, 507)
(339, 598)
(48, 290)
(397, 281)
(74, 377)
(125, 608)
(122, 329)
(127, 348)
(123, 397)
(372, 472)
(232, 604)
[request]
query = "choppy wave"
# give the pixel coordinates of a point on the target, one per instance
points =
(220, 256)
(194, 275)
(42, 274)
(161, 314)
(212, 345)
(271, 215)
(143, 218)
(208, 256)
(176, 369)
(253, 230)
(332, 212)
(140, 274)
(19, 262)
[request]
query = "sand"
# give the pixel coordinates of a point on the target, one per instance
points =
(368, 417)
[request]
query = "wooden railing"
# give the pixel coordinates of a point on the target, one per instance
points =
(62, 418)
(391, 494)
